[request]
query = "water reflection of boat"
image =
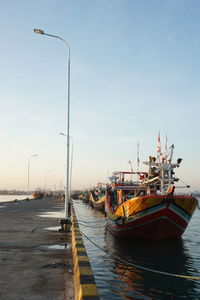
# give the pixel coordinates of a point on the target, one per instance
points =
(97, 196)
(163, 256)
(148, 207)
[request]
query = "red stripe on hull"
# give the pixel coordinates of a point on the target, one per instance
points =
(163, 224)
(160, 229)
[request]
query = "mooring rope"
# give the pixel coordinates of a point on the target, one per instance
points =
(138, 266)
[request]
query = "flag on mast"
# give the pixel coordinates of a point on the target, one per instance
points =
(159, 144)
(165, 155)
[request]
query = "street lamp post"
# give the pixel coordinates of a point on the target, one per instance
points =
(29, 171)
(67, 196)
(45, 179)
(51, 184)
(72, 151)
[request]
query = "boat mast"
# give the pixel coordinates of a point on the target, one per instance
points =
(138, 160)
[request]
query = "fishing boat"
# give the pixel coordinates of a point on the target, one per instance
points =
(38, 195)
(148, 207)
(97, 196)
(84, 196)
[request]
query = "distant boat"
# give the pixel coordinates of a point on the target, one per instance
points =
(148, 207)
(84, 196)
(97, 196)
(38, 195)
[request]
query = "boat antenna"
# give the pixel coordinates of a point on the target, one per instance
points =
(107, 177)
(138, 159)
(171, 154)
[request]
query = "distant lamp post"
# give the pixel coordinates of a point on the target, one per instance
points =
(51, 183)
(67, 194)
(34, 155)
(45, 179)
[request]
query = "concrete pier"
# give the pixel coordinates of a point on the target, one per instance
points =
(34, 262)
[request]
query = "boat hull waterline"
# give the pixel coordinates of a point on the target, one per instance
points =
(151, 217)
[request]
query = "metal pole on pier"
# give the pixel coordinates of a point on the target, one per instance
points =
(67, 194)
(34, 155)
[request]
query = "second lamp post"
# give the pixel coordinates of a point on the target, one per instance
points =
(29, 170)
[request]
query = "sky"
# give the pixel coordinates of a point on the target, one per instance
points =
(135, 71)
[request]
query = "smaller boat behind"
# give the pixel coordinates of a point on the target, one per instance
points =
(97, 196)
(84, 196)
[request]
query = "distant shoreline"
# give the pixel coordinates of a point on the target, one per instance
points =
(9, 194)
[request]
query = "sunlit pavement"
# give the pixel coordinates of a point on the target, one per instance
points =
(36, 263)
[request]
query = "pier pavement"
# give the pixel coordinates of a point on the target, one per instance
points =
(30, 267)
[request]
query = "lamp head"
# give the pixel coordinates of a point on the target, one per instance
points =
(32, 156)
(39, 31)
(61, 133)
(179, 160)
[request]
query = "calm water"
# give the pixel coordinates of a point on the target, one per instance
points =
(8, 198)
(117, 280)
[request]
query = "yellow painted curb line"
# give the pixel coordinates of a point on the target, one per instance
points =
(84, 282)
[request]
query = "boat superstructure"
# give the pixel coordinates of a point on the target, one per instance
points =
(148, 207)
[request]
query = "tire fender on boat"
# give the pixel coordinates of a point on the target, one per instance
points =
(120, 221)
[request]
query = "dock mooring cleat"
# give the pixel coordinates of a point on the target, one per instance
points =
(65, 225)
